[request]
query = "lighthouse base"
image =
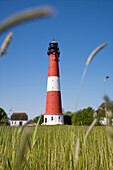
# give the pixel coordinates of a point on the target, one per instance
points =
(53, 120)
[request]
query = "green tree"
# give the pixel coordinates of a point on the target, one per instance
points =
(41, 120)
(83, 117)
(3, 117)
(67, 118)
(68, 113)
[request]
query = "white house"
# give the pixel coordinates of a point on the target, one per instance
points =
(18, 119)
(103, 119)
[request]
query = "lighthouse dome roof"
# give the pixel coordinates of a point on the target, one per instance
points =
(53, 47)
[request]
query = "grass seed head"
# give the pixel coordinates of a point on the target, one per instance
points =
(94, 53)
(106, 78)
(25, 16)
(6, 43)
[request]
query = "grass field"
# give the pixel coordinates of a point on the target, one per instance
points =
(56, 148)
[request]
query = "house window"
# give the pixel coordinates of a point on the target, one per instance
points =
(52, 118)
(12, 122)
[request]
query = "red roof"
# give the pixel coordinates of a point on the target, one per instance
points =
(19, 116)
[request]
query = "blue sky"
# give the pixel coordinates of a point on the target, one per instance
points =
(79, 27)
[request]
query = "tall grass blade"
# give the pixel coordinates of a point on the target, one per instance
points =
(21, 151)
(109, 131)
(106, 77)
(67, 156)
(9, 164)
(20, 130)
(109, 119)
(77, 149)
(21, 158)
(85, 70)
(89, 130)
(34, 134)
(80, 88)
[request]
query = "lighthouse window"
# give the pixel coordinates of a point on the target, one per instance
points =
(51, 118)
(59, 117)
(52, 87)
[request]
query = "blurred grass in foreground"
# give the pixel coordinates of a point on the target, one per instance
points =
(50, 150)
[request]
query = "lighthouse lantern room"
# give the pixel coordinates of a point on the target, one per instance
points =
(53, 113)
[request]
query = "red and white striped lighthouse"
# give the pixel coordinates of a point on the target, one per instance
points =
(53, 113)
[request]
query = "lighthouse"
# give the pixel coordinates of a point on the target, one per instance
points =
(53, 112)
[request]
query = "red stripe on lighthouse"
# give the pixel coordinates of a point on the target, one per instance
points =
(53, 103)
(53, 65)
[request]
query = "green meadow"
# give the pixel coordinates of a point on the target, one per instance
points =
(55, 149)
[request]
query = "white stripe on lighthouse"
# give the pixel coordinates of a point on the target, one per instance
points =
(53, 83)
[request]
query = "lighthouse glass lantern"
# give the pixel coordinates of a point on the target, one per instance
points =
(53, 112)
